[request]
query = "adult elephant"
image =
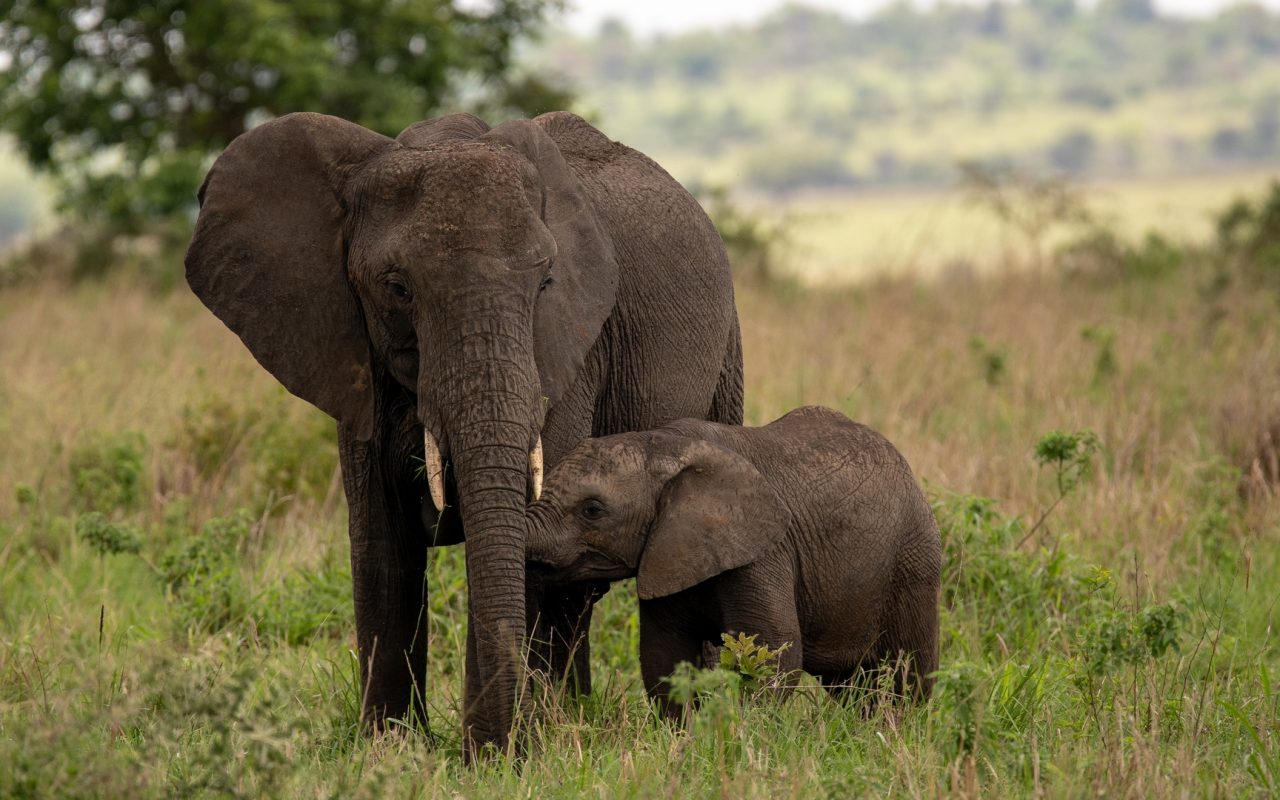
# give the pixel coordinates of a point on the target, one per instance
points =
(480, 299)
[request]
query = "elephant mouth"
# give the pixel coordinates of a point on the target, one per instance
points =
(590, 566)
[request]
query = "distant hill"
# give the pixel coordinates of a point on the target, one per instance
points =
(807, 99)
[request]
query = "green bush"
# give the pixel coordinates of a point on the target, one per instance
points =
(204, 574)
(107, 537)
(107, 471)
(1099, 251)
(1249, 235)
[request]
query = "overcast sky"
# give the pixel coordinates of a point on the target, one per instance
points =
(671, 16)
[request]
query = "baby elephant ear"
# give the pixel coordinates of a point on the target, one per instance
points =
(717, 513)
(573, 307)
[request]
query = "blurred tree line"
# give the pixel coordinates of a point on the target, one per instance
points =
(126, 102)
(809, 98)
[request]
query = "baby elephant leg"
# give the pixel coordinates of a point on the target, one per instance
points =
(773, 619)
(665, 640)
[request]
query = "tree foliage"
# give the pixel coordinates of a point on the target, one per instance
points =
(162, 84)
(809, 98)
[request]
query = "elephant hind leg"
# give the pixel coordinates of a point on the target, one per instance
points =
(911, 630)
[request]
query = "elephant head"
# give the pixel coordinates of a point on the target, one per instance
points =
(671, 510)
(463, 263)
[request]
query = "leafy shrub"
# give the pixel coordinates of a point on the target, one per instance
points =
(1155, 257)
(1023, 599)
(204, 573)
(1099, 251)
(107, 537)
(1249, 235)
(107, 471)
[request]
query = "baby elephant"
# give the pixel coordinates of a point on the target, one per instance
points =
(810, 530)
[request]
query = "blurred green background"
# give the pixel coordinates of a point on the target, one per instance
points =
(845, 124)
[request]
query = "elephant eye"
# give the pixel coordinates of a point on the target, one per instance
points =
(547, 281)
(397, 288)
(592, 510)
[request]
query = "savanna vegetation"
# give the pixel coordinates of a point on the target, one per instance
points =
(1098, 440)
(1087, 384)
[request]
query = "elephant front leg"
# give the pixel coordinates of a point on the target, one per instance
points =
(559, 623)
(388, 571)
(391, 635)
(669, 634)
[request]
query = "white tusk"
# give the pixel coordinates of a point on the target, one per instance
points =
(435, 469)
(535, 466)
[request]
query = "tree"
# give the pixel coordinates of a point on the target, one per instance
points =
(1130, 11)
(160, 85)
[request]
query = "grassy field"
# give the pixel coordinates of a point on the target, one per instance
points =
(839, 237)
(175, 611)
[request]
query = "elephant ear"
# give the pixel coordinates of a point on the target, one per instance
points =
(573, 307)
(267, 258)
(442, 129)
(716, 513)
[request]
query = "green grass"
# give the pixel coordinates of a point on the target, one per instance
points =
(1117, 641)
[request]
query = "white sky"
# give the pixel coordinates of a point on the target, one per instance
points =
(646, 17)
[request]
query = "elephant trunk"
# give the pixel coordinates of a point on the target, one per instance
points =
(541, 544)
(485, 410)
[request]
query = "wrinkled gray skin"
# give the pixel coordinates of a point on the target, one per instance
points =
(810, 530)
(489, 286)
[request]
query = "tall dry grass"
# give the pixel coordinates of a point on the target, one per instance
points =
(100, 679)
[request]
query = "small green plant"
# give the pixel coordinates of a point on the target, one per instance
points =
(107, 471)
(1070, 455)
(756, 665)
(107, 537)
(958, 703)
(25, 496)
(1118, 636)
(992, 360)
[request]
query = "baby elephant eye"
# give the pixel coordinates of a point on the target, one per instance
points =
(592, 510)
